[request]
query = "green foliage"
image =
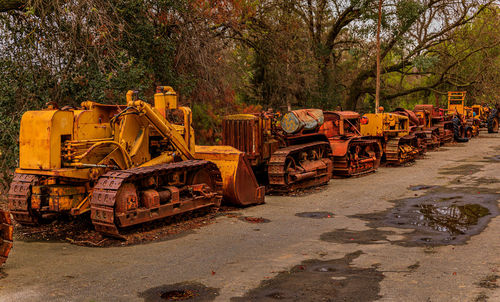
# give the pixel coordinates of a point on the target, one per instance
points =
(93, 50)
(425, 63)
(407, 12)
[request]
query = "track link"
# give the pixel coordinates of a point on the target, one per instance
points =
(445, 135)
(6, 231)
(398, 152)
(20, 198)
(432, 139)
(278, 175)
(103, 211)
(343, 166)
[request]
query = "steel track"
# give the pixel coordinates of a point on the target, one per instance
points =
(107, 221)
(278, 176)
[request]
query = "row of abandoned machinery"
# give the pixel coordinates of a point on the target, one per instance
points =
(123, 165)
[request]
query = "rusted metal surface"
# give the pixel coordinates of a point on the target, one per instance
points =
(445, 132)
(240, 187)
(433, 111)
(116, 200)
(361, 156)
(436, 118)
(242, 132)
(344, 114)
(409, 114)
(285, 162)
(352, 154)
(400, 150)
(304, 119)
(6, 231)
(300, 166)
(417, 129)
(20, 199)
(432, 138)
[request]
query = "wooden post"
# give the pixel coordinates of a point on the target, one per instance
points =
(377, 87)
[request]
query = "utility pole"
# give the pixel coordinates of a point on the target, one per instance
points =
(377, 87)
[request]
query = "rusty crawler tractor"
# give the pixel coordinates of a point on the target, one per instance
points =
(426, 139)
(436, 118)
(125, 164)
(352, 154)
(286, 154)
(393, 134)
(421, 123)
(432, 139)
(493, 119)
(6, 231)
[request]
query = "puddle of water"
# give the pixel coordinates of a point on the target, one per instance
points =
(440, 217)
(185, 291)
(489, 282)
(421, 187)
(461, 170)
(481, 297)
(453, 219)
(477, 181)
(415, 266)
(315, 215)
(371, 236)
(317, 280)
(495, 158)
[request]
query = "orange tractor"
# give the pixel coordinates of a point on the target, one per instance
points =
(286, 153)
(435, 118)
(427, 138)
(353, 155)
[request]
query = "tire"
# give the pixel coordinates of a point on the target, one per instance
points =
(469, 133)
(456, 131)
(493, 121)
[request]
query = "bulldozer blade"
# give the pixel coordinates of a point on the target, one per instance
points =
(6, 231)
(240, 187)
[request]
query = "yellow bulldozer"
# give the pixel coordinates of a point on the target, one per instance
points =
(392, 131)
(481, 113)
(126, 164)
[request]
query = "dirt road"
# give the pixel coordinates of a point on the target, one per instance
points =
(425, 232)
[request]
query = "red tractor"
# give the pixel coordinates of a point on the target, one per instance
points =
(427, 137)
(352, 154)
(436, 118)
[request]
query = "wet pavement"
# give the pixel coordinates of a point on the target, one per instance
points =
(315, 215)
(440, 217)
(317, 280)
(186, 291)
(424, 232)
